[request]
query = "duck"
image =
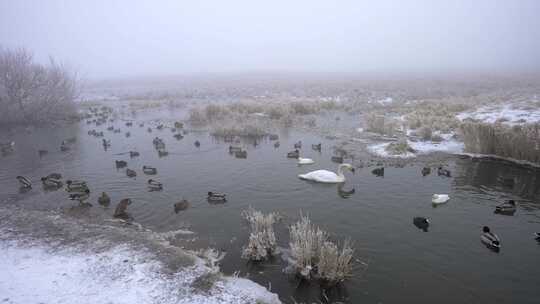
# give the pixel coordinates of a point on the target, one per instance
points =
(181, 206)
(421, 223)
(121, 209)
(49, 182)
(293, 154)
(104, 199)
(379, 172)
(217, 197)
(159, 127)
(240, 154)
(25, 182)
(507, 207)
(317, 147)
(149, 170)
(149, 130)
(305, 161)
(197, 144)
(344, 193)
(128, 134)
(110, 128)
(120, 163)
(42, 152)
(80, 196)
(154, 185)
(537, 236)
(325, 176)
(162, 153)
(64, 147)
(129, 124)
(426, 171)
(178, 136)
(55, 176)
(76, 186)
(276, 144)
(133, 154)
(490, 239)
(337, 159)
(178, 125)
(298, 145)
(106, 143)
(273, 137)
(438, 199)
(444, 172)
(233, 149)
(131, 173)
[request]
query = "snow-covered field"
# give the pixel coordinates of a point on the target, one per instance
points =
(506, 114)
(34, 273)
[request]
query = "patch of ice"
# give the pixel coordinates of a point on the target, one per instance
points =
(506, 114)
(37, 274)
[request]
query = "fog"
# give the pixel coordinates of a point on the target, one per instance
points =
(106, 39)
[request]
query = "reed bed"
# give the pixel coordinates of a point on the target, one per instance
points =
(262, 240)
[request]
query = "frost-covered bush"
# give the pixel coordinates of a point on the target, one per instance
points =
(314, 256)
(262, 240)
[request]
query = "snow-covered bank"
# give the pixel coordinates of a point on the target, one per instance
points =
(33, 273)
(420, 147)
(509, 114)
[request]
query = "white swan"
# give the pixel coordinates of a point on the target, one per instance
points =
(440, 198)
(305, 161)
(325, 176)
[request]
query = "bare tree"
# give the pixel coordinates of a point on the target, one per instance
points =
(34, 93)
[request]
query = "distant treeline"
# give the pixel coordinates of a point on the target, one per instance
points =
(33, 93)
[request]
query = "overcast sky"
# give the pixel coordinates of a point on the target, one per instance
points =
(107, 39)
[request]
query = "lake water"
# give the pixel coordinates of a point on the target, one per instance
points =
(400, 263)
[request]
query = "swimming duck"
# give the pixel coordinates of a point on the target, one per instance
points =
(537, 236)
(25, 182)
(217, 197)
(438, 199)
(141, 124)
(71, 140)
(49, 182)
(121, 209)
(337, 159)
(64, 147)
(159, 127)
(273, 137)
(426, 171)
(80, 196)
(154, 185)
(162, 153)
(178, 136)
(233, 149)
(444, 172)
(149, 170)
(128, 134)
(42, 152)
(106, 143)
(76, 186)
(197, 144)
(181, 206)
(305, 161)
(325, 176)
(117, 131)
(149, 130)
(131, 173)
(120, 163)
(293, 154)
(55, 176)
(344, 193)
(379, 172)
(178, 125)
(104, 199)
(129, 124)
(317, 147)
(490, 239)
(133, 154)
(421, 223)
(110, 128)
(298, 145)
(507, 207)
(240, 154)
(276, 144)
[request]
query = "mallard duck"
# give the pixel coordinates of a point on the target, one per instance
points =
(121, 209)
(117, 131)
(444, 172)
(128, 134)
(162, 153)
(344, 193)
(426, 171)
(293, 154)
(154, 184)
(178, 125)
(71, 140)
(421, 223)
(131, 173)
(490, 239)
(106, 143)
(129, 124)
(217, 197)
(76, 186)
(181, 206)
(159, 127)
(233, 149)
(149, 170)
(337, 159)
(42, 152)
(55, 176)
(379, 172)
(317, 147)
(64, 147)
(276, 144)
(178, 136)
(537, 236)
(240, 154)
(149, 130)
(120, 163)
(133, 154)
(438, 199)
(298, 145)
(104, 199)
(141, 124)
(197, 144)
(111, 128)
(80, 196)
(507, 207)
(49, 182)
(25, 182)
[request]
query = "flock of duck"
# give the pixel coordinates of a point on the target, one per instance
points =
(79, 191)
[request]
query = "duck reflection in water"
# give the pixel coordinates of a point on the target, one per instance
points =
(344, 193)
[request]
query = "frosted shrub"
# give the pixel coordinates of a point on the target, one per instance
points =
(316, 257)
(262, 240)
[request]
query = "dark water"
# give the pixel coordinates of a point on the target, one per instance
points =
(447, 264)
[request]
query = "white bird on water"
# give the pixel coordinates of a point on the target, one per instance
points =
(305, 161)
(325, 176)
(440, 198)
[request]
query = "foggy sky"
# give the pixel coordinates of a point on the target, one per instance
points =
(104, 39)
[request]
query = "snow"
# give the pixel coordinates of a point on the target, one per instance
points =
(380, 150)
(37, 274)
(509, 114)
(421, 147)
